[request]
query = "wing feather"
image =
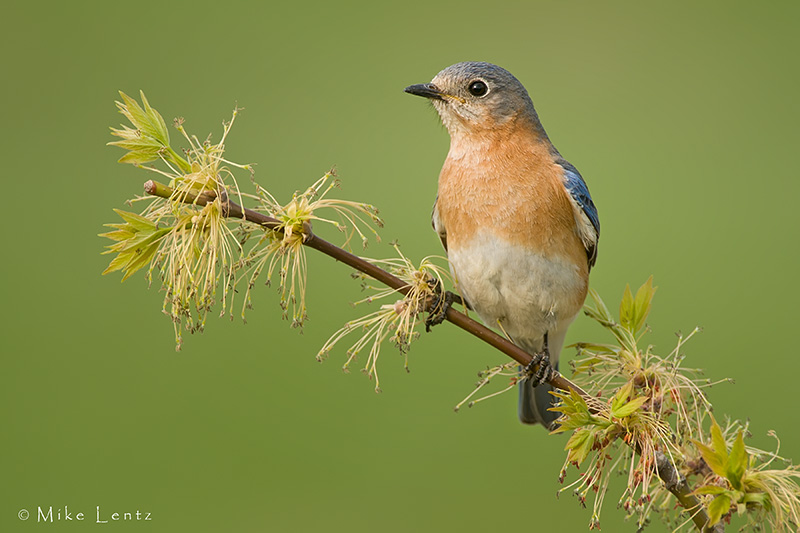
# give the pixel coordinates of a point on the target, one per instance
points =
(438, 225)
(586, 216)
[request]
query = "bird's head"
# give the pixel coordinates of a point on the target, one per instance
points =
(475, 97)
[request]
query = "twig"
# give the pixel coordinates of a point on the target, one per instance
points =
(677, 485)
(672, 479)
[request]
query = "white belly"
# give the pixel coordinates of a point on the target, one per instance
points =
(527, 293)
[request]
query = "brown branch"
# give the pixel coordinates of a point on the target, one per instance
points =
(673, 480)
(677, 485)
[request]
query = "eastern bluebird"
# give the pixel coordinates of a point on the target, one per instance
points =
(516, 218)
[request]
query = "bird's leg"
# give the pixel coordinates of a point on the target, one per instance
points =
(545, 371)
(441, 302)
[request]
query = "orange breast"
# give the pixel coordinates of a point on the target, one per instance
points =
(509, 183)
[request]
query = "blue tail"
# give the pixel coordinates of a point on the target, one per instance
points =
(534, 403)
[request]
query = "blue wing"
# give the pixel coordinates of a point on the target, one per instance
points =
(580, 193)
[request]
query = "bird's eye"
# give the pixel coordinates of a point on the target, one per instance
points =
(478, 88)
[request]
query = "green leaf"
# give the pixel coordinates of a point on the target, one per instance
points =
(760, 498)
(718, 442)
(140, 243)
(629, 408)
(575, 411)
(579, 445)
(149, 139)
(118, 263)
(712, 459)
(718, 507)
(156, 120)
(626, 309)
(140, 260)
(137, 158)
(141, 144)
(587, 365)
(138, 116)
(604, 349)
(711, 489)
(643, 303)
(621, 397)
(601, 310)
(138, 222)
(737, 462)
(130, 139)
(137, 242)
(126, 133)
(117, 235)
(596, 315)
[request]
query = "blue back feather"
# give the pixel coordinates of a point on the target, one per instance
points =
(580, 193)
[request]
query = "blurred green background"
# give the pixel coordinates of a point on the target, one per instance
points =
(682, 118)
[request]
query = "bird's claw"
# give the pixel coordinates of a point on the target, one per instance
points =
(441, 302)
(544, 373)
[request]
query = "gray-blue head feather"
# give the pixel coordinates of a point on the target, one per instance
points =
(477, 95)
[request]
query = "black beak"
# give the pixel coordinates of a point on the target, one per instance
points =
(428, 90)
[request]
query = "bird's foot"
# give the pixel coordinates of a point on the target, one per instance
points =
(545, 371)
(441, 302)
